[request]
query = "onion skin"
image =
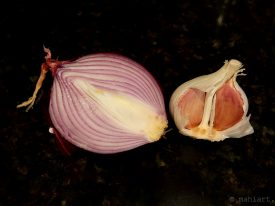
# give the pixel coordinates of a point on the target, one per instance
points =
(105, 103)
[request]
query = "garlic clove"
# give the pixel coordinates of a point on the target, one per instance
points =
(212, 107)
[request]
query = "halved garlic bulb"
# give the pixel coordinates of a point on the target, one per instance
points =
(212, 107)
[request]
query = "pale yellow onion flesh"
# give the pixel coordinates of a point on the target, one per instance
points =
(212, 107)
(126, 111)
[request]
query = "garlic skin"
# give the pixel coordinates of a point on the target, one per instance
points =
(212, 107)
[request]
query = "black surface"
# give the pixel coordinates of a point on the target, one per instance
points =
(175, 41)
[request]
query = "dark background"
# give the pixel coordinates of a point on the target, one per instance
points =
(176, 41)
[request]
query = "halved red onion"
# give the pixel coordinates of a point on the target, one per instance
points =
(105, 103)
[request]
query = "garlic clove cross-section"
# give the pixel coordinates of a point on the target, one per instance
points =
(212, 107)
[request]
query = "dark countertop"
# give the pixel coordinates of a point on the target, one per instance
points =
(175, 42)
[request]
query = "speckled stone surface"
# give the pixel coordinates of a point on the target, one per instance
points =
(175, 41)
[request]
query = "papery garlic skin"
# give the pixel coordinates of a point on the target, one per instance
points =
(212, 107)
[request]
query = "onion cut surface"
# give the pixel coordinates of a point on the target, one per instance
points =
(106, 103)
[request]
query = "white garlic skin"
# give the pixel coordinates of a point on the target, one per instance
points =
(207, 86)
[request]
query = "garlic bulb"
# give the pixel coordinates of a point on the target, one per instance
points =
(212, 107)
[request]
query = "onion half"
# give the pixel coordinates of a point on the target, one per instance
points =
(104, 103)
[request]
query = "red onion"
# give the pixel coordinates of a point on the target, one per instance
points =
(104, 103)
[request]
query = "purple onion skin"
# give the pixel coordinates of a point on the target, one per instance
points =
(83, 121)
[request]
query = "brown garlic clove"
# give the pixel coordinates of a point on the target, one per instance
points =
(212, 107)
